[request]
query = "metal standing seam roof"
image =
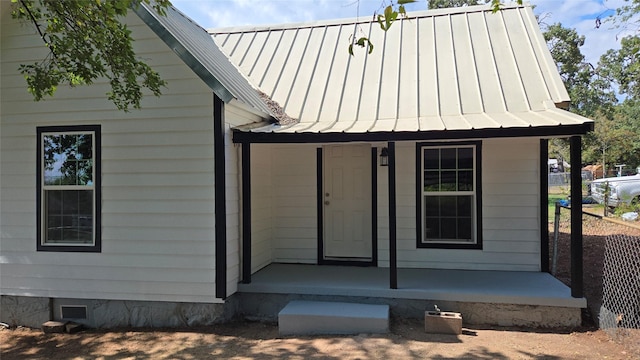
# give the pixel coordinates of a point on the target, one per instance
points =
(449, 69)
(195, 47)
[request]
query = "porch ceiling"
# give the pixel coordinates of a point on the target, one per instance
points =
(501, 287)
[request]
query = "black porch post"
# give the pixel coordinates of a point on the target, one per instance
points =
(544, 207)
(576, 217)
(393, 261)
(220, 197)
(246, 213)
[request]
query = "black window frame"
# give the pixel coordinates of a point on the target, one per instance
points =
(97, 180)
(477, 245)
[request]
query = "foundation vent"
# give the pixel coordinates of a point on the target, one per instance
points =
(73, 311)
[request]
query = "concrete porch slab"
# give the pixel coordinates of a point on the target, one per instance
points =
(476, 286)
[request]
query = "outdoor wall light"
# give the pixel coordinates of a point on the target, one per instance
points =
(384, 157)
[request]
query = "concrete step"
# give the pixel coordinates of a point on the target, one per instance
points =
(323, 317)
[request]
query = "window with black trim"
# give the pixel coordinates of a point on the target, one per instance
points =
(448, 195)
(68, 188)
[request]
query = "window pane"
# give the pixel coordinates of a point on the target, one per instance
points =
(464, 206)
(432, 206)
(465, 180)
(448, 158)
(53, 202)
(465, 158)
(431, 180)
(448, 206)
(464, 229)
(85, 202)
(448, 181)
(432, 228)
(54, 235)
(448, 229)
(69, 202)
(431, 159)
(54, 228)
(84, 144)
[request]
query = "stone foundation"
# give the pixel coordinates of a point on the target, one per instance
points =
(24, 311)
(33, 312)
(265, 307)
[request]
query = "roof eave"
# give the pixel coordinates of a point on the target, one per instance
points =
(269, 119)
(179, 49)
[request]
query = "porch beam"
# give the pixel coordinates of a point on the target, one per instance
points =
(246, 213)
(544, 205)
(240, 136)
(576, 218)
(393, 253)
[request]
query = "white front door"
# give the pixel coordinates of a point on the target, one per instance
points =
(347, 202)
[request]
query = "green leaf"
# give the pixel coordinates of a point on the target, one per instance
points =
(362, 42)
(87, 41)
(402, 11)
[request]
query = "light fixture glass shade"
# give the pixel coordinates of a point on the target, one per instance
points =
(384, 157)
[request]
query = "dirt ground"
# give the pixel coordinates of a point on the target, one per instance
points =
(250, 340)
(407, 339)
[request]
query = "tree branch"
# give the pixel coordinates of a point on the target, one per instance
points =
(33, 20)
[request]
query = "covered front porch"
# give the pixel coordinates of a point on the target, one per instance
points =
(483, 297)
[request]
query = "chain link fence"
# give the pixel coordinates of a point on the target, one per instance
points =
(620, 309)
(611, 267)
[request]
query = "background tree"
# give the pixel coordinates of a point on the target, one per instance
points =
(622, 66)
(588, 90)
(440, 4)
(87, 40)
(609, 142)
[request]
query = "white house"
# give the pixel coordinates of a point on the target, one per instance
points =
(276, 163)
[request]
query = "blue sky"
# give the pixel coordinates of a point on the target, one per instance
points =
(578, 14)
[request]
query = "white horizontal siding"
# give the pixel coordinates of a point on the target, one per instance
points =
(511, 230)
(261, 206)
(510, 206)
(234, 116)
(157, 176)
(232, 208)
(294, 201)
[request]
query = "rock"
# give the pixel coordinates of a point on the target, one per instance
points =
(73, 328)
(53, 327)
